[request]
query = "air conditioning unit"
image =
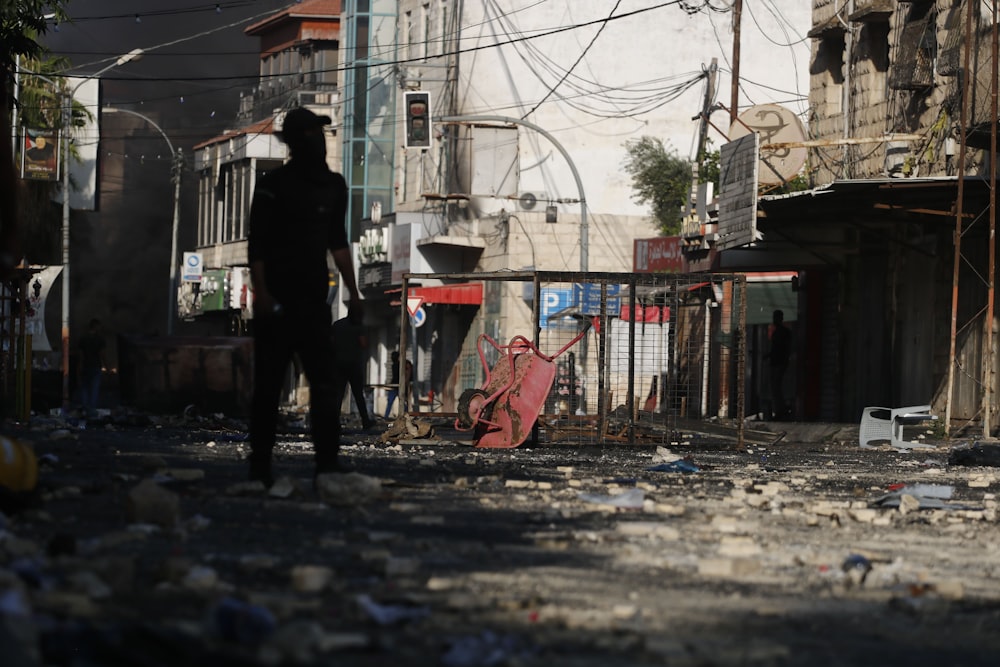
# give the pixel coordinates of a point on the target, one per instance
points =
(896, 153)
(530, 201)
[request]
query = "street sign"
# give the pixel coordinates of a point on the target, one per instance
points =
(588, 298)
(192, 269)
(419, 317)
(413, 304)
(738, 162)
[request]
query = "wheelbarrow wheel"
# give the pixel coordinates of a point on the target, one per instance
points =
(470, 403)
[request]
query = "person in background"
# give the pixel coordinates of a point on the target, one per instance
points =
(349, 349)
(297, 217)
(393, 383)
(405, 390)
(92, 364)
(778, 357)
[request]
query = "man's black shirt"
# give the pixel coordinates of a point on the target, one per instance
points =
(296, 217)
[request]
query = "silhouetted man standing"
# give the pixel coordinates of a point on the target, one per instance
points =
(297, 216)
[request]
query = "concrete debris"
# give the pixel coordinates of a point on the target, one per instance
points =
(311, 578)
(392, 613)
(587, 554)
(148, 502)
(348, 489)
(285, 487)
(630, 499)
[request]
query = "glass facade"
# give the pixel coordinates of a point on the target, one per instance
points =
(369, 107)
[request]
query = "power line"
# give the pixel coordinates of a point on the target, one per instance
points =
(398, 61)
(216, 7)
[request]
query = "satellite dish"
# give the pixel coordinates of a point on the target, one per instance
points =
(528, 201)
(776, 125)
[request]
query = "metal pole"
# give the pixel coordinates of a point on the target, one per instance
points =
(172, 296)
(958, 217)
(988, 358)
(67, 121)
(67, 117)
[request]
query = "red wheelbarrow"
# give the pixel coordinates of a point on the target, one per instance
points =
(502, 413)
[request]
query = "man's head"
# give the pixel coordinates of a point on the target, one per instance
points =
(779, 317)
(302, 130)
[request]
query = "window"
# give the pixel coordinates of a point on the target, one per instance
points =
(425, 38)
(913, 64)
(949, 60)
(872, 46)
(829, 66)
(408, 29)
(443, 25)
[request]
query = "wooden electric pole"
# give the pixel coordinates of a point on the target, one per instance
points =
(734, 99)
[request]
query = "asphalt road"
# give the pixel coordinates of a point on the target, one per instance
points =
(796, 553)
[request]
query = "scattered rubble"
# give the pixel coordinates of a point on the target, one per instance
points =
(149, 547)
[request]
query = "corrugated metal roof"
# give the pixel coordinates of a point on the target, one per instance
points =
(265, 126)
(306, 9)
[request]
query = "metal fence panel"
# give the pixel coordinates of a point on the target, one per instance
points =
(660, 352)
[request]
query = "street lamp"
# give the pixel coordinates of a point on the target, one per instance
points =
(177, 163)
(67, 121)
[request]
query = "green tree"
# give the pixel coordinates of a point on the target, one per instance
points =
(40, 107)
(660, 178)
(21, 22)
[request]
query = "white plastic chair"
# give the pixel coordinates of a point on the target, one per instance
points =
(878, 423)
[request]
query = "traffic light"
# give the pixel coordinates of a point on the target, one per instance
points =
(417, 106)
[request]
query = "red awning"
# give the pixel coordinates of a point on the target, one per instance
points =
(463, 294)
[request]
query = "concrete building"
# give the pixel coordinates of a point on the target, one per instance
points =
(892, 246)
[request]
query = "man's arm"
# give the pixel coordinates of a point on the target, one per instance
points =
(263, 302)
(345, 264)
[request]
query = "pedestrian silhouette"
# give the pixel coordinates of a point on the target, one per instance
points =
(778, 358)
(297, 217)
(349, 351)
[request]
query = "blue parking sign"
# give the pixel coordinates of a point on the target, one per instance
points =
(553, 300)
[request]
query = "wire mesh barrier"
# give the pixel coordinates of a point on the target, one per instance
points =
(594, 358)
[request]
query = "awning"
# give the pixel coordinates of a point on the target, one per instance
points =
(462, 294)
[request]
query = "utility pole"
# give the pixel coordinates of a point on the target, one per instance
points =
(734, 99)
(988, 357)
(691, 224)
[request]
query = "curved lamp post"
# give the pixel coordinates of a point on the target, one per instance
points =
(67, 121)
(177, 163)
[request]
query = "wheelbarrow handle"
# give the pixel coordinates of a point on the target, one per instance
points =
(576, 339)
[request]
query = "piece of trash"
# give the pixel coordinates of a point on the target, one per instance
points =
(487, 648)
(238, 621)
(975, 454)
(664, 455)
(680, 465)
(631, 499)
(13, 602)
(856, 567)
(929, 496)
(390, 614)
